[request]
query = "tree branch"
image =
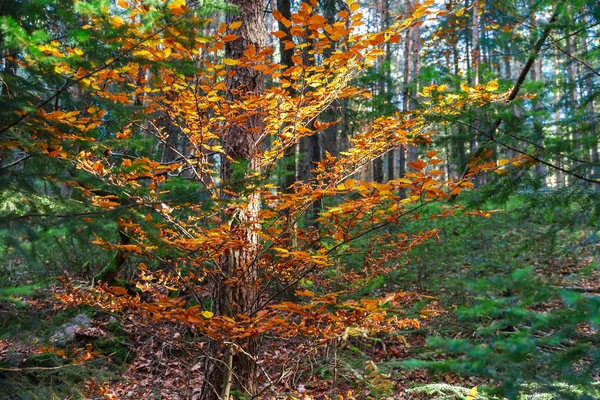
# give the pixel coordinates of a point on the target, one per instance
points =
(12, 164)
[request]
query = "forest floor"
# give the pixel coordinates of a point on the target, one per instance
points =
(48, 351)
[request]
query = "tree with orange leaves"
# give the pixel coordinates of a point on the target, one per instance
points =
(196, 89)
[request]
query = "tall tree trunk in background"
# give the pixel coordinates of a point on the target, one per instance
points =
(239, 144)
(475, 56)
(475, 52)
(591, 116)
(411, 72)
(330, 140)
(405, 89)
(560, 176)
(382, 61)
(458, 131)
(388, 86)
(468, 49)
(310, 147)
(289, 156)
(415, 48)
(538, 127)
(540, 169)
(574, 127)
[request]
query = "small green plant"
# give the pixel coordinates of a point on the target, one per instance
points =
(444, 391)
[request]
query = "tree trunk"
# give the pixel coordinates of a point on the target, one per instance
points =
(476, 53)
(289, 155)
(235, 286)
(330, 140)
(310, 148)
(415, 48)
(574, 128)
(591, 117)
(560, 176)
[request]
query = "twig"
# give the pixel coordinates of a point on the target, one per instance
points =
(52, 368)
(15, 162)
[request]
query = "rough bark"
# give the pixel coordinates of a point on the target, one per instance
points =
(289, 155)
(236, 285)
(310, 147)
(330, 140)
(284, 7)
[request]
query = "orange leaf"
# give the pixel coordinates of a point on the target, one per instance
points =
(277, 15)
(305, 293)
(316, 21)
(229, 38)
(418, 164)
(286, 22)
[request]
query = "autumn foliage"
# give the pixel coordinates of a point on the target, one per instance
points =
(234, 233)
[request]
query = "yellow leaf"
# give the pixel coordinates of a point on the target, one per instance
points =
(472, 394)
(142, 53)
(460, 12)
(231, 61)
(177, 7)
(464, 87)
(403, 340)
(117, 21)
(491, 86)
(235, 25)
(420, 12)
(207, 314)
